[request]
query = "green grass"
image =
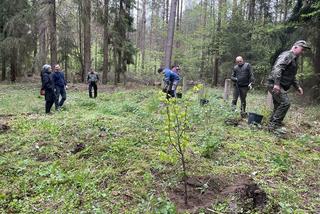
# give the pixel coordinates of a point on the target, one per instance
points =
(124, 146)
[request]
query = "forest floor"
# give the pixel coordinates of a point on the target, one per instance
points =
(110, 155)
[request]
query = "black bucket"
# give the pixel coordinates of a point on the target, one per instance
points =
(179, 95)
(254, 118)
(204, 101)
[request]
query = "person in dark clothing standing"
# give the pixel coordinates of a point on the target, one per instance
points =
(48, 86)
(60, 86)
(242, 77)
(282, 77)
(92, 80)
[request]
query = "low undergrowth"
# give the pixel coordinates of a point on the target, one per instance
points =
(110, 155)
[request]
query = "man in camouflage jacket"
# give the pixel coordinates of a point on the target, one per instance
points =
(282, 77)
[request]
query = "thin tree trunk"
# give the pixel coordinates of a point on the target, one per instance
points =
(116, 70)
(3, 67)
(170, 36)
(216, 70)
(119, 66)
(216, 57)
(276, 11)
(143, 36)
(234, 8)
(181, 8)
(53, 33)
(138, 33)
(42, 45)
(185, 178)
(96, 54)
(81, 41)
(87, 36)
(34, 61)
(106, 43)
(13, 64)
(285, 10)
(252, 4)
(153, 6)
(178, 15)
(164, 25)
(35, 32)
(66, 64)
(316, 56)
(242, 8)
(204, 24)
(167, 11)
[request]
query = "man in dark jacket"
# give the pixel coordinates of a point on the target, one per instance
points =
(242, 77)
(48, 86)
(282, 77)
(92, 80)
(60, 85)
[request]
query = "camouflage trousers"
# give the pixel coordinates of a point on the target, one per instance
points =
(281, 104)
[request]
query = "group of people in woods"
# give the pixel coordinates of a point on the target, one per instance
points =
(54, 86)
(281, 78)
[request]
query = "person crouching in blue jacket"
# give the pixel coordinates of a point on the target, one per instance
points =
(171, 81)
(60, 85)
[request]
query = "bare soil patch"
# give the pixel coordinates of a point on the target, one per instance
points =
(4, 128)
(203, 192)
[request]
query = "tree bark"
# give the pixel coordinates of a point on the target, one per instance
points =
(80, 12)
(234, 8)
(170, 36)
(178, 15)
(66, 64)
(285, 12)
(251, 11)
(167, 11)
(53, 32)
(87, 37)
(316, 55)
(13, 64)
(3, 67)
(217, 51)
(116, 64)
(153, 5)
(204, 24)
(42, 44)
(181, 12)
(138, 33)
(143, 36)
(105, 43)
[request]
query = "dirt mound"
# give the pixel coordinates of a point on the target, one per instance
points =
(78, 148)
(203, 192)
(4, 128)
(247, 193)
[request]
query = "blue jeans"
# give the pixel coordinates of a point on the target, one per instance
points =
(60, 91)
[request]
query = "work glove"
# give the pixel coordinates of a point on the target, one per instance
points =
(250, 86)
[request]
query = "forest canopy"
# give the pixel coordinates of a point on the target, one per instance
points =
(129, 38)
